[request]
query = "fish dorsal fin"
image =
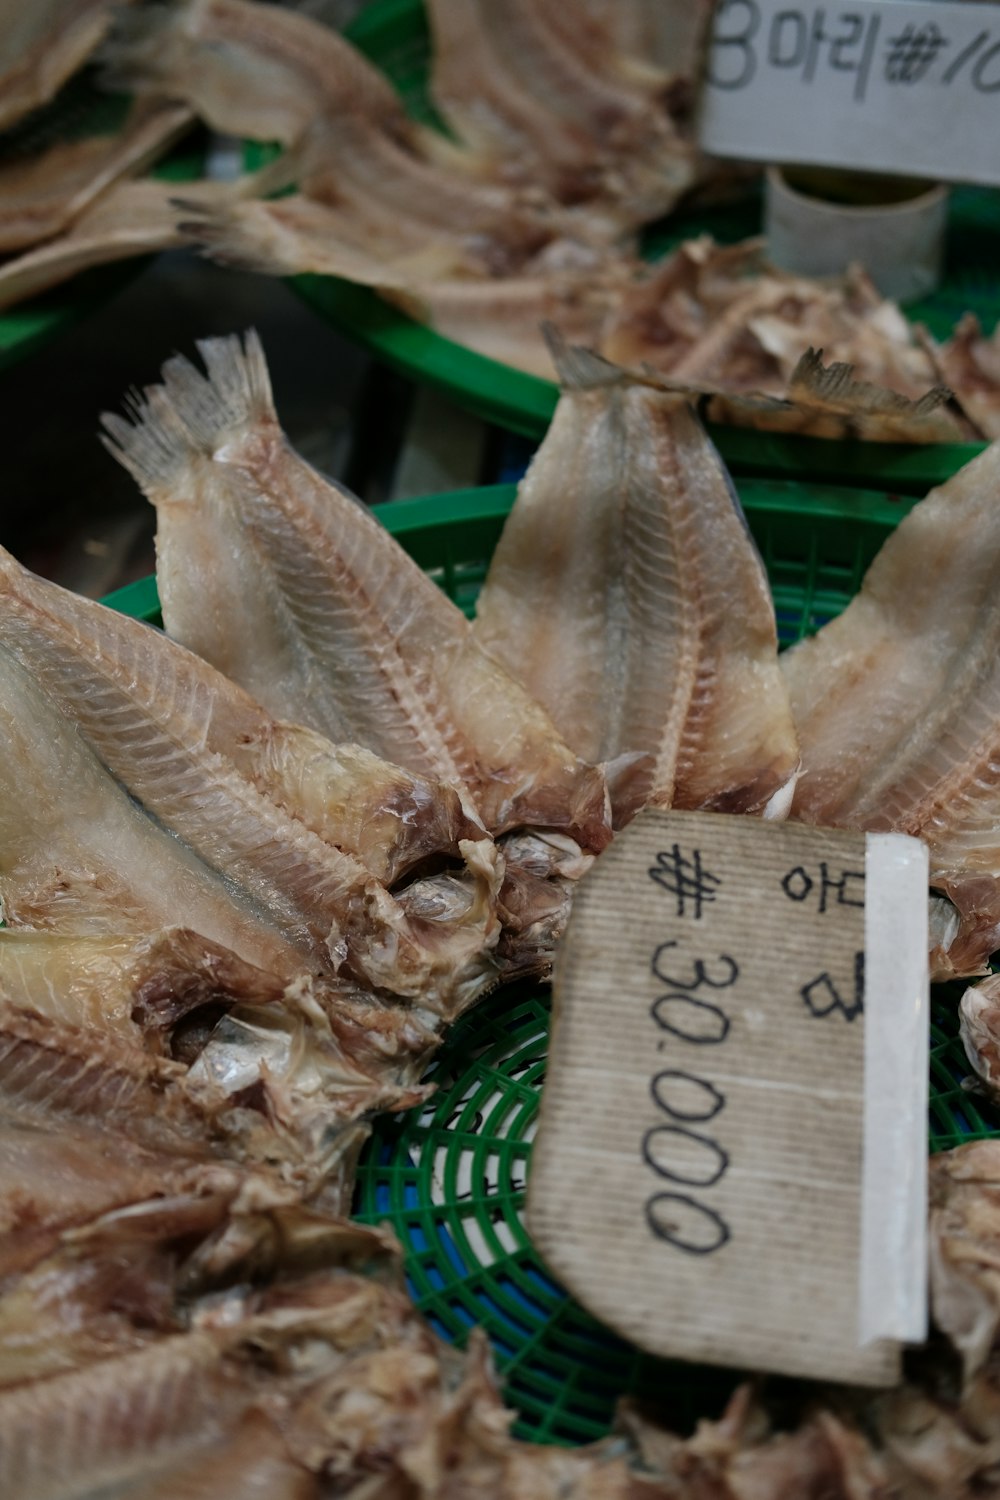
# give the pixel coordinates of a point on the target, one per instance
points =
(578, 368)
(834, 386)
(190, 413)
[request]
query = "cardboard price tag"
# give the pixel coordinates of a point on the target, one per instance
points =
(731, 1160)
(908, 86)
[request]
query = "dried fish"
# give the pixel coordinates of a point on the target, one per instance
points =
(895, 702)
(970, 363)
(721, 316)
(136, 987)
(497, 316)
(131, 218)
(626, 595)
(538, 88)
(41, 45)
(144, 705)
(368, 648)
(40, 195)
(250, 70)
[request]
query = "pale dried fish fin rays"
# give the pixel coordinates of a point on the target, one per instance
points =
(136, 987)
(627, 595)
(372, 651)
(871, 411)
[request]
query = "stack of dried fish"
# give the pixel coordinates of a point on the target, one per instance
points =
(562, 145)
(233, 934)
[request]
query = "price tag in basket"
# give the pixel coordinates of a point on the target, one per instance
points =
(731, 1159)
(910, 86)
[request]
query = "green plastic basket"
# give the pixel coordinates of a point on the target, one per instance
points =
(393, 33)
(80, 109)
(450, 1176)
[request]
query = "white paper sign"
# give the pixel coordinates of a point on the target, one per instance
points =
(907, 86)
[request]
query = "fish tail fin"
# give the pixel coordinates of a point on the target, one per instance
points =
(244, 236)
(190, 415)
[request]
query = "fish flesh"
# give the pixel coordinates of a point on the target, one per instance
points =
(627, 596)
(497, 316)
(250, 70)
(370, 650)
(137, 987)
(143, 704)
(78, 857)
(897, 702)
(969, 362)
(129, 219)
(43, 193)
(537, 87)
(41, 45)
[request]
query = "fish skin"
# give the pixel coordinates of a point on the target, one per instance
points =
(381, 656)
(41, 45)
(42, 194)
(142, 703)
(628, 597)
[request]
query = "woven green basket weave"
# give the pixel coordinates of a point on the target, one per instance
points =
(450, 1176)
(394, 34)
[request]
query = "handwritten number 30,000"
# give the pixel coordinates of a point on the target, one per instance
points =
(686, 1099)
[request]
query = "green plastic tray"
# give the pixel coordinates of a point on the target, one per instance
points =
(450, 1176)
(393, 33)
(80, 109)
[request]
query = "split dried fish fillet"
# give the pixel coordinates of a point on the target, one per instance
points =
(627, 596)
(41, 44)
(368, 648)
(897, 702)
(144, 705)
(132, 218)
